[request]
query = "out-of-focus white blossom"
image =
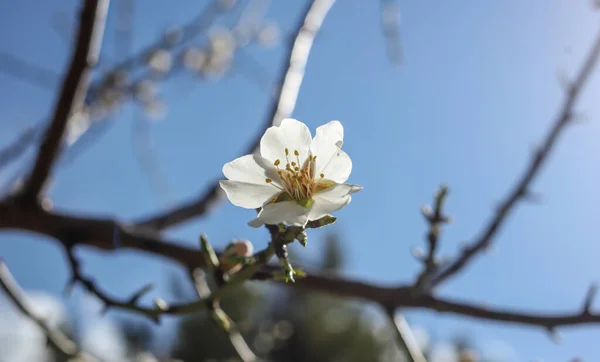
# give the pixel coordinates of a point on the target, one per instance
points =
(268, 35)
(194, 59)
(160, 61)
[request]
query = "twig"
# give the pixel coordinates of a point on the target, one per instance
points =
(130, 304)
(17, 147)
(290, 80)
(521, 189)
(225, 322)
(21, 69)
(435, 218)
(85, 55)
(405, 338)
(56, 339)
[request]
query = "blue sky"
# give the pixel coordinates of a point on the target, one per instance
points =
(476, 93)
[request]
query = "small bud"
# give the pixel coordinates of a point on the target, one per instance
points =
(426, 211)
(229, 261)
(302, 238)
(159, 303)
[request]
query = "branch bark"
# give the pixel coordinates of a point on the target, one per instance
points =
(56, 339)
(101, 234)
(285, 102)
(85, 55)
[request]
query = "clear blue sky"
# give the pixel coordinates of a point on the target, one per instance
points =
(475, 94)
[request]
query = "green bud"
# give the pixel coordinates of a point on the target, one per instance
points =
(302, 238)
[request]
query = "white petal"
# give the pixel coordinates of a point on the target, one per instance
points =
(252, 169)
(287, 212)
(332, 199)
(338, 168)
(291, 134)
(323, 206)
(328, 139)
(248, 195)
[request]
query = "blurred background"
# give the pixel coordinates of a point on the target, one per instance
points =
(429, 92)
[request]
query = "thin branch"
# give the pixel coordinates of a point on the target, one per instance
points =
(17, 147)
(85, 55)
(522, 188)
(226, 323)
(56, 339)
(21, 69)
(124, 27)
(435, 218)
(390, 24)
(549, 321)
(290, 80)
(131, 304)
(405, 338)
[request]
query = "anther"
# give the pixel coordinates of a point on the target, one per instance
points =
(322, 176)
(268, 180)
(287, 152)
(296, 153)
(277, 162)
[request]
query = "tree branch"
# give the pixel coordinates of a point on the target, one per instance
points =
(290, 80)
(85, 55)
(101, 233)
(56, 339)
(521, 190)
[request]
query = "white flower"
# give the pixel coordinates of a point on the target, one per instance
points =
(295, 178)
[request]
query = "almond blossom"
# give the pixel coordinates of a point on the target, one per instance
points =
(294, 178)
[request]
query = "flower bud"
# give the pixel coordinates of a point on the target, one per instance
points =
(236, 249)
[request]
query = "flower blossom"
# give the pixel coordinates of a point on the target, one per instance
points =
(294, 178)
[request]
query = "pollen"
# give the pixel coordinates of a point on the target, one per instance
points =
(298, 180)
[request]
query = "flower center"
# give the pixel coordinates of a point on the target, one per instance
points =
(298, 181)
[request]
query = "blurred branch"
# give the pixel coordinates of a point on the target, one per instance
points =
(290, 80)
(435, 218)
(131, 304)
(21, 69)
(406, 340)
(17, 147)
(85, 55)
(390, 24)
(522, 191)
(56, 339)
(124, 27)
(225, 322)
